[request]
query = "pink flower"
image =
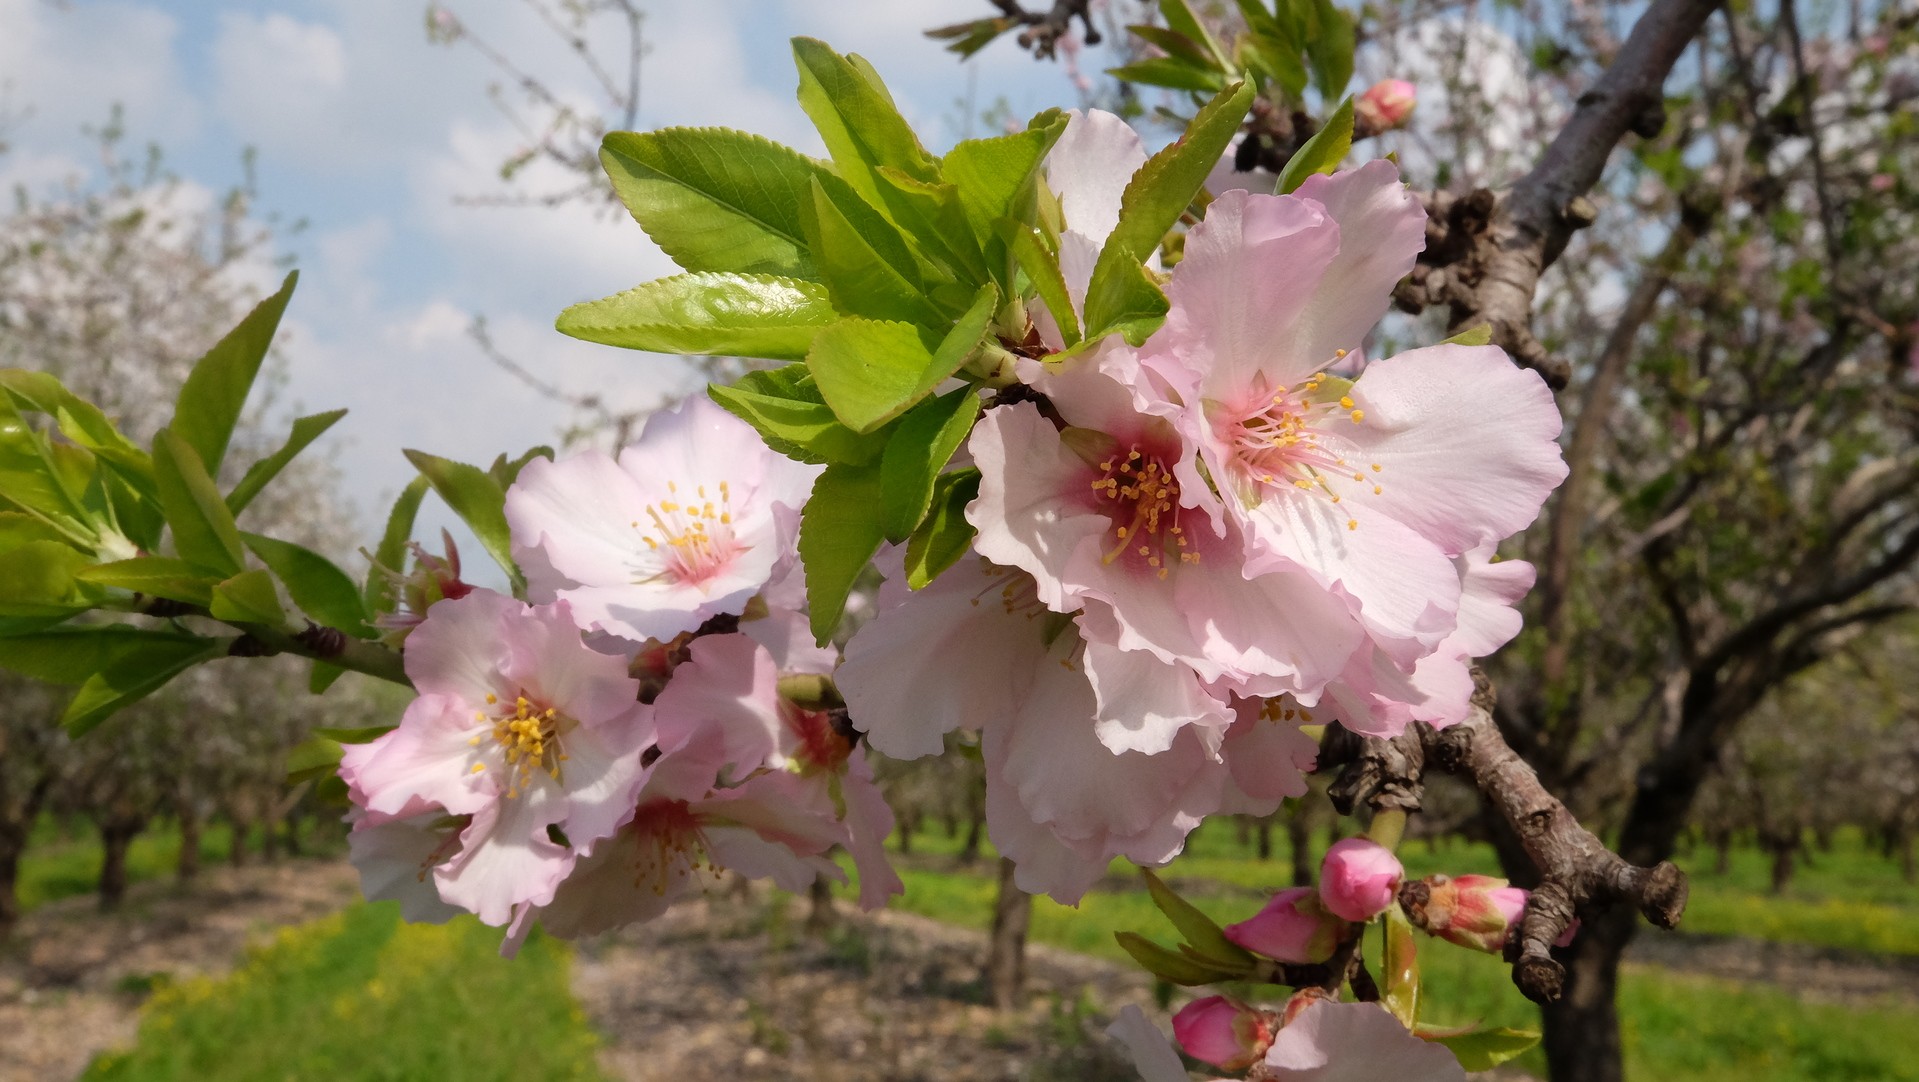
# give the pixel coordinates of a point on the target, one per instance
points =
(976, 650)
(1359, 878)
(519, 726)
(1095, 514)
(688, 523)
(1476, 911)
(1088, 167)
(1223, 1032)
(396, 854)
(1293, 927)
(731, 685)
(1369, 487)
(1386, 104)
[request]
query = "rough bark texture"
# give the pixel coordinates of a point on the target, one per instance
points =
(1006, 951)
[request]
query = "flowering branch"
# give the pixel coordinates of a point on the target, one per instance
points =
(1044, 30)
(1576, 868)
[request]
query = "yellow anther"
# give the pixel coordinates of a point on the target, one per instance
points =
(1358, 416)
(491, 698)
(1352, 524)
(478, 767)
(1339, 354)
(1346, 401)
(1377, 467)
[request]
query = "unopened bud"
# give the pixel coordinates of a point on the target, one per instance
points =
(1223, 1032)
(1386, 105)
(1293, 927)
(1358, 879)
(1476, 911)
(432, 580)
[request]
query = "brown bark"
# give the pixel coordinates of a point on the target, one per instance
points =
(11, 846)
(116, 836)
(237, 845)
(1299, 839)
(187, 865)
(1006, 951)
(819, 912)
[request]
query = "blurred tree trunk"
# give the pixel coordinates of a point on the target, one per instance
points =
(819, 914)
(1299, 838)
(1263, 839)
(237, 844)
(1006, 952)
(16, 828)
(117, 831)
(969, 850)
(188, 865)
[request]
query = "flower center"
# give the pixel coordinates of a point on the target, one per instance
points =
(687, 541)
(529, 738)
(1141, 495)
(1293, 440)
(668, 844)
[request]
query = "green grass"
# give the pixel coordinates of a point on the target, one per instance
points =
(361, 996)
(1675, 1026)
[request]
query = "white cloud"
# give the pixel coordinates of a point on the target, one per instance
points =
(71, 65)
(279, 82)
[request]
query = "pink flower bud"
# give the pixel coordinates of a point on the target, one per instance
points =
(1359, 879)
(1386, 105)
(1223, 1032)
(1476, 911)
(1292, 927)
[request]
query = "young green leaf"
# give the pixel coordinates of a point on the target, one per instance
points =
(37, 578)
(871, 372)
(969, 38)
(135, 672)
(216, 390)
(945, 535)
(323, 677)
(1477, 335)
(312, 759)
(865, 263)
(203, 529)
(995, 177)
(305, 431)
(1171, 72)
(1329, 49)
(1323, 152)
(479, 501)
(1482, 1050)
(858, 121)
(1181, 20)
(1399, 969)
(840, 530)
(920, 448)
(1198, 929)
(1167, 965)
(46, 480)
(1174, 44)
(715, 199)
(391, 555)
(787, 410)
(1041, 266)
(156, 576)
(1123, 298)
(248, 598)
(732, 315)
(323, 591)
(82, 422)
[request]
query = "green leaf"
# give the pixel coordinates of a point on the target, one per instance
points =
(1174, 44)
(1167, 965)
(865, 264)
(730, 315)
(156, 576)
(1479, 335)
(1323, 152)
(37, 579)
(505, 471)
(1123, 298)
(1198, 929)
(1329, 48)
(18, 528)
(1181, 20)
(857, 120)
(920, 448)
(715, 199)
(1482, 1050)
(840, 530)
(69, 655)
(1399, 969)
(945, 535)
(969, 38)
(391, 554)
(785, 407)
(216, 390)
(1042, 269)
(931, 217)
(132, 675)
(870, 372)
(316, 584)
(1172, 72)
(1156, 196)
(248, 598)
(203, 529)
(479, 501)
(323, 677)
(45, 480)
(82, 422)
(305, 431)
(313, 758)
(995, 177)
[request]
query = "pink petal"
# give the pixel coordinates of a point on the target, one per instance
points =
(731, 687)
(428, 758)
(1356, 1042)
(392, 857)
(506, 858)
(1141, 702)
(1466, 442)
(1382, 230)
(1089, 167)
(461, 647)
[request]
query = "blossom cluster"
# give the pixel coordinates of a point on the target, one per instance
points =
(1191, 550)
(585, 757)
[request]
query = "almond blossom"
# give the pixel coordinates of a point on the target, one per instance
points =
(521, 728)
(689, 522)
(1372, 486)
(1323, 1042)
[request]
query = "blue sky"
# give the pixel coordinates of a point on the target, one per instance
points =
(368, 132)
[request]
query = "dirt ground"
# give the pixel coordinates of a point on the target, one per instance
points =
(732, 986)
